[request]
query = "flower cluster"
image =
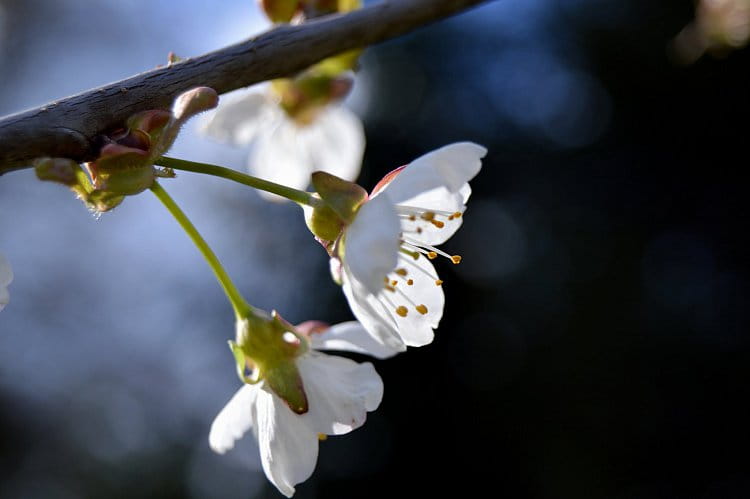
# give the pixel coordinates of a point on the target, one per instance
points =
(381, 244)
(381, 247)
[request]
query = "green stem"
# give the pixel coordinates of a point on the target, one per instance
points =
(241, 307)
(301, 197)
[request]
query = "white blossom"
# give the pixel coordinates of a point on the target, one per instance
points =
(385, 253)
(339, 392)
(6, 276)
(287, 151)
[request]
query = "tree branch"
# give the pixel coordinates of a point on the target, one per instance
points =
(68, 127)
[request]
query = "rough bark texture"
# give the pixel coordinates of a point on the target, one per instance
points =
(68, 127)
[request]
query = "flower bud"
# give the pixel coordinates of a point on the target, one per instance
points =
(60, 170)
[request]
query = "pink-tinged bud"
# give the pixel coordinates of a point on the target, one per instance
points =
(193, 102)
(149, 121)
(280, 11)
(387, 179)
(60, 170)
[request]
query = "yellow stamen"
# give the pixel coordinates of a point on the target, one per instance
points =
(456, 259)
(437, 223)
(401, 272)
(401, 310)
(438, 282)
(421, 309)
(390, 288)
(432, 255)
(458, 214)
(322, 436)
(410, 282)
(419, 230)
(412, 218)
(393, 283)
(428, 216)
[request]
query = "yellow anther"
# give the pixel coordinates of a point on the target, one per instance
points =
(401, 272)
(385, 279)
(421, 309)
(439, 282)
(428, 215)
(410, 282)
(456, 259)
(432, 255)
(419, 230)
(322, 436)
(401, 310)
(390, 288)
(412, 218)
(394, 282)
(458, 214)
(437, 223)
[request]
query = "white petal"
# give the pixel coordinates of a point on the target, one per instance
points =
(449, 167)
(440, 201)
(336, 141)
(288, 446)
(6, 277)
(373, 315)
(238, 119)
(234, 419)
(378, 312)
(423, 295)
(371, 243)
(340, 392)
(278, 155)
(351, 337)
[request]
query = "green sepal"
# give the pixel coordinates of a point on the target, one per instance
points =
(343, 197)
(240, 362)
(284, 379)
(323, 222)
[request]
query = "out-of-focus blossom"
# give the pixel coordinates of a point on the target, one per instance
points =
(719, 26)
(6, 277)
(339, 392)
(382, 257)
(290, 138)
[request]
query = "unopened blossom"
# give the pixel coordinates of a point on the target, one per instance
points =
(338, 393)
(383, 257)
(6, 276)
(288, 143)
(125, 162)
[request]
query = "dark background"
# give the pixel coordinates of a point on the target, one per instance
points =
(594, 342)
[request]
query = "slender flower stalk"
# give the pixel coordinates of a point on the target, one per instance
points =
(240, 306)
(296, 195)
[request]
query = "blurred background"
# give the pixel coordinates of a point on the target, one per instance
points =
(595, 337)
